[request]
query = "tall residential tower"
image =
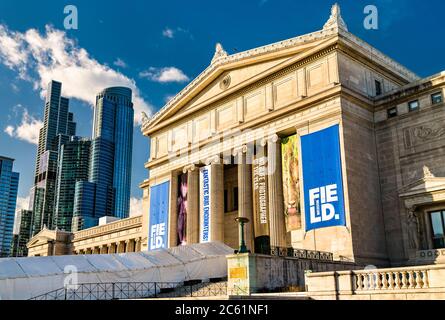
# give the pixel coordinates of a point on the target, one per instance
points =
(107, 191)
(57, 128)
(9, 183)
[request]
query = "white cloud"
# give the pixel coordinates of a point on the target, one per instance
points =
(53, 56)
(164, 75)
(28, 130)
(9, 130)
(120, 63)
(168, 33)
(135, 207)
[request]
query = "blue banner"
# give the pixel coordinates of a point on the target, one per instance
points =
(322, 179)
(158, 228)
(205, 185)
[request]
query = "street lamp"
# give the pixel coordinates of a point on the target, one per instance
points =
(242, 243)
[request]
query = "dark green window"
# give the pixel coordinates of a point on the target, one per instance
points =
(438, 226)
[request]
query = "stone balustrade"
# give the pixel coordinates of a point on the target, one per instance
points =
(418, 282)
(391, 279)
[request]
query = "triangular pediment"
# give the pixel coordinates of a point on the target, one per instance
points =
(242, 69)
(422, 186)
(42, 237)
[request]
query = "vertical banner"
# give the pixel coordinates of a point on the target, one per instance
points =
(291, 182)
(322, 179)
(260, 211)
(182, 209)
(159, 206)
(205, 203)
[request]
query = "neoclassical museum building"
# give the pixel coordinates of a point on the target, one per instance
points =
(321, 141)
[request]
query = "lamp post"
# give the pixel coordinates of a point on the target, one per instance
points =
(242, 243)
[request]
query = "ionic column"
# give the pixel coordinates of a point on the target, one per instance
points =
(103, 249)
(120, 247)
(245, 207)
(216, 199)
(110, 248)
(275, 193)
(138, 244)
(192, 224)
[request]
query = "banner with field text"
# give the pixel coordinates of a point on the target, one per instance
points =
(159, 206)
(322, 179)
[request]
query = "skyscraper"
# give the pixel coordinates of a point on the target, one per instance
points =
(21, 234)
(107, 191)
(57, 128)
(9, 183)
(72, 166)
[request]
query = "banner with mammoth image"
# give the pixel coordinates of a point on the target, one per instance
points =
(182, 209)
(291, 182)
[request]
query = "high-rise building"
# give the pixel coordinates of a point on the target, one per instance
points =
(73, 164)
(9, 183)
(107, 191)
(57, 128)
(21, 234)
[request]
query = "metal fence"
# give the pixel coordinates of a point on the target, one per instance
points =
(301, 254)
(135, 290)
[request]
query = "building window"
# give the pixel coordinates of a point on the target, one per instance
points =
(438, 226)
(378, 88)
(436, 98)
(413, 105)
(392, 112)
(225, 201)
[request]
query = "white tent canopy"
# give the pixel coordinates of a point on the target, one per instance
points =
(25, 278)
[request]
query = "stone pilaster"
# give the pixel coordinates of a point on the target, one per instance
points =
(192, 224)
(245, 206)
(275, 193)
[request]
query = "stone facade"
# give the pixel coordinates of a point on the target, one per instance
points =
(299, 86)
(116, 237)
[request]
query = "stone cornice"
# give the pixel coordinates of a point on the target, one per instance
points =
(125, 224)
(297, 104)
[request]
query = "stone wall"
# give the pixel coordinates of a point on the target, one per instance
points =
(250, 273)
(405, 144)
(363, 187)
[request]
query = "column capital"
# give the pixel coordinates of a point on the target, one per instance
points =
(239, 150)
(190, 167)
(273, 138)
(216, 159)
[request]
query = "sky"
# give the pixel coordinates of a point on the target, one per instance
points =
(158, 47)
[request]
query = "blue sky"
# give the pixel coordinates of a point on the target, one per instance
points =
(157, 47)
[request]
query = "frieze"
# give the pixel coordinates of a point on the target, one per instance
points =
(426, 132)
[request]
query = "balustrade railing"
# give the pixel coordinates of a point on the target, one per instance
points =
(391, 279)
(300, 253)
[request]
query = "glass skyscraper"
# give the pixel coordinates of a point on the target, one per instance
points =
(57, 128)
(21, 234)
(73, 165)
(107, 191)
(9, 183)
